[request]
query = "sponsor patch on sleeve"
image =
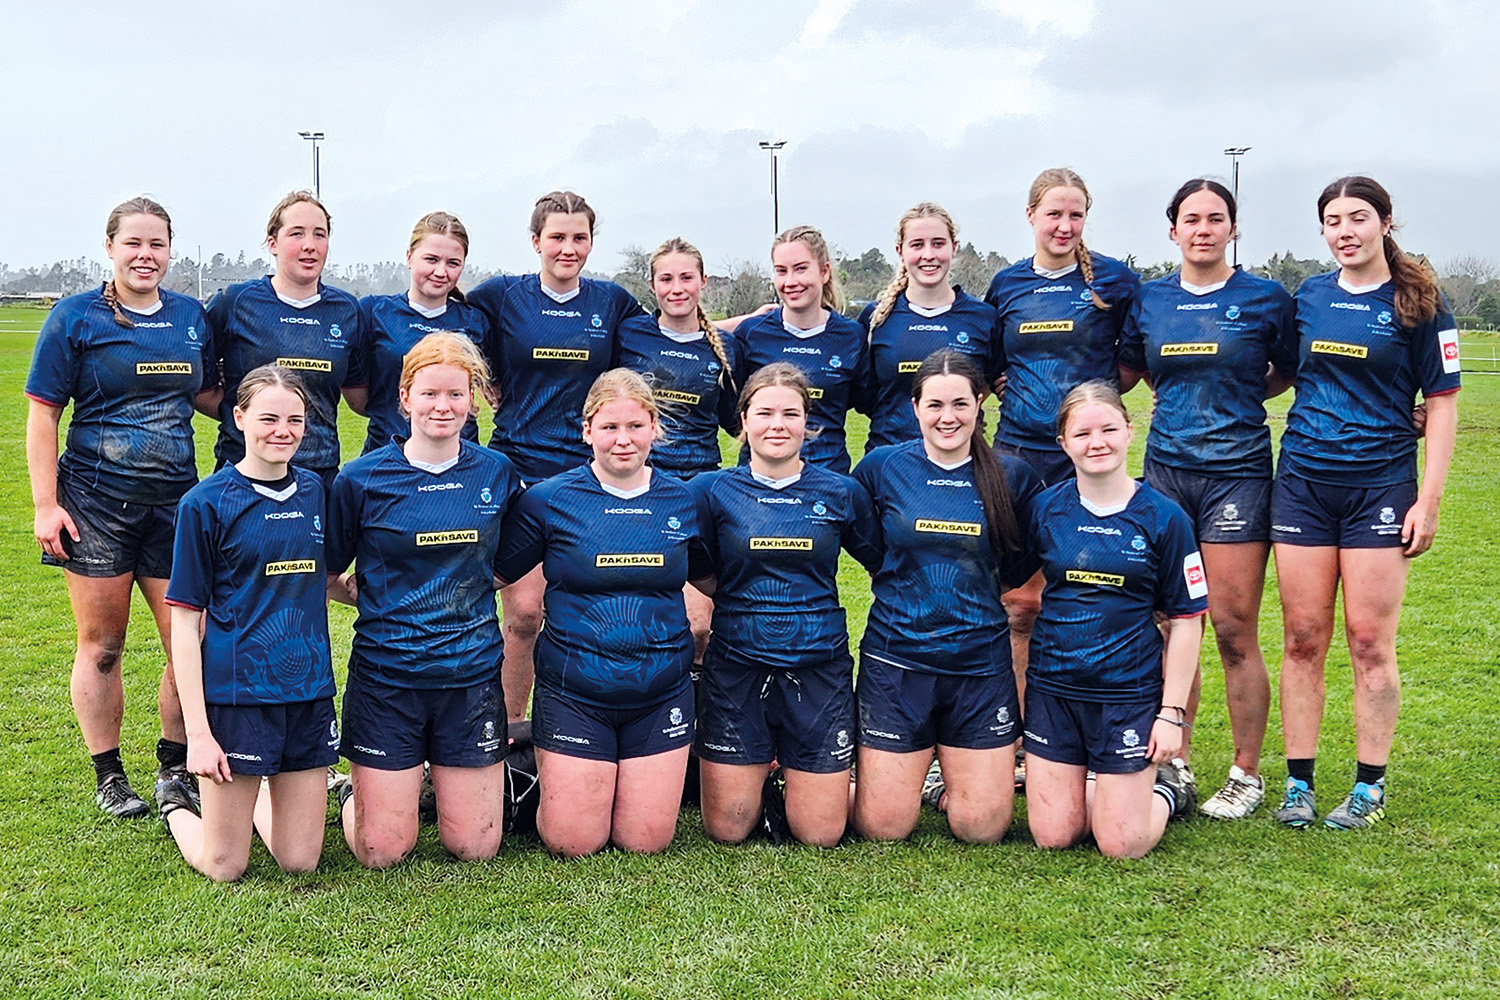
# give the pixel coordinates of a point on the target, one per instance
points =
(1448, 341)
(1192, 572)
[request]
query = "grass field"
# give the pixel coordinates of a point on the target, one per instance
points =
(104, 908)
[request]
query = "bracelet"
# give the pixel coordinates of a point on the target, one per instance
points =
(1179, 723)
(1181, 712)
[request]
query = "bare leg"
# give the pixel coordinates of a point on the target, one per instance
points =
(980, 792)
(380, 819)
(1056, 802)
(101, 607)
(732, 798)
(521, 620)
(577, 803)
(1307, 577)
(1374, 585)
(648, 795)
(289, 817)
(888, 794)
(817, 806)
(168, 704)
(470, 809)
(218, 844)
(1127, 818)
(1236, 579)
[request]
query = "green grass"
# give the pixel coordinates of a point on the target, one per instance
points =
(93, 906)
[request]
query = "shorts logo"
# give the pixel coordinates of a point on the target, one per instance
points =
(1003, 715)
(1138, 543)
(820, 508)
(686, 398)
(1050, 326)
(908, 366)
(1193, 575)
(559, 354)
(289, 566)
(489, 730)
(305, 364)
(370, 750)
(1387, 515)
(484, 495)
(447, 537)
(1233, 312)
(571, 739)
(1342, 350)
(618, 559)
(1130, 738)
(1172, 350)
(843, 737)
(813, 393)
(1384, 319)
(675, 716)
(1033, 737)
(1088, 576)
(948, 527)
(164, 368)
(674, 523)
(796, 544)
(1448, 340)
(1231, 512)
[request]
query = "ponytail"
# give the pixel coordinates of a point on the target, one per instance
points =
(112, 299)
(1417, 292)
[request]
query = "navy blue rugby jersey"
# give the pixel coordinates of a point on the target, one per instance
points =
(936, 605)
(834, 362)
(900, 344)
(1054, 337)
(321, 342)
(1207, 356)
(617, 632)
(131, 433)
(423, 546)
(392, 327)
(775, 551)
(691, 387)
(544, 355)
(251, 559)
(1096, 638)
(1359, 372)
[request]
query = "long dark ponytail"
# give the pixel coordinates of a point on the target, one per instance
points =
(1417, 291)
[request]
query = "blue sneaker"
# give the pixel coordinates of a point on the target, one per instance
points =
(1298, 807)
(1362, 809)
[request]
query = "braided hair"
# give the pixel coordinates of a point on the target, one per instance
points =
(135, 206)
(711, 332)
(1063, 177)
(887, 300)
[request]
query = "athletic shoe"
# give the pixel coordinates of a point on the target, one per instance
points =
(172, 794)
(427, 797)
(1020, 770)
(189, 780)
(1361, 809)
(933, 786)
(1173, 785)
(1298, 807)
(773, 822)
(116, 797)
(1240, 796)
(340, 788)
(1188, 778)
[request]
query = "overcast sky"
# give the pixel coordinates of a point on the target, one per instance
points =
(653, 110)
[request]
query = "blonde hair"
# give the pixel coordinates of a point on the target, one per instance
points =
(561, 203)
(621, 383)
(117, 215)
(1086, 393)
(833, 292)
(265, 377)
(446, 349)
(440, 224)
(887, 300)
(293, 198)
(711, 333)
(1056, 177)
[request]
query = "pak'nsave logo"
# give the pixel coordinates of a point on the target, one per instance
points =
(673, 396)
(797, 544)
(1050, 326)
(291, 566)
(612, 560)
(908, 366)
(164, 368)
(1088, 576)
(447, 537)
(814, 393)
(948, 527)
(559, 353)
(1173, 350)
(1342, 350)
(305, 364)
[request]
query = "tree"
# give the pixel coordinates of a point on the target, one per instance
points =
(972, 271)
(747, 288)
(1290, 271)
(635, 276)
(864, 276)
(1488, 308)
(1463, 280)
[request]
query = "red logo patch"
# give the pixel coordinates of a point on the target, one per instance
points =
(1450, 352)
(1195, 575)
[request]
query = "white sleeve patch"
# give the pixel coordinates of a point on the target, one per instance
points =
(1192, 572)
(1448, 341)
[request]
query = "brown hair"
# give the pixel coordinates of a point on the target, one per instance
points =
(989, 475)
(711, 333)
(1417, 293)
(621, 383)
(117, 215)
(273, 226)
(887, 300)
(441, 224)
(562, 203)
(833, 292)
(777, 373)
(446, 349)
(1084, 393)
(1063, 177)
(264, 377)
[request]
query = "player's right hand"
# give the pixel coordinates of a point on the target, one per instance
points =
(50, 524)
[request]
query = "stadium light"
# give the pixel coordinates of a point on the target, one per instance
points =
(315, 138)
(774, 147)
(1234, 153)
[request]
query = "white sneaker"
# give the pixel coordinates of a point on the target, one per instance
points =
(1239, 797)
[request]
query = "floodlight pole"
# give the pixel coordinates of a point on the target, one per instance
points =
(774, 147)
(315, 138)
(1234, 153)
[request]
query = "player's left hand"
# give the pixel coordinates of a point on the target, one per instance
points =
(1165, 743)
(1418, 529)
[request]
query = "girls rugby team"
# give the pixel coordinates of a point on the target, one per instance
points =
(1037, 613)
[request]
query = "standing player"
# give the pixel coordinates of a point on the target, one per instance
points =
(1347, 509)
(1213, 342)
(293, 320)
(810, 332)
(393, 324)
(1102, 698)
(918, 313)
(552, 334)
(1060, 313)
(257, 688)
(613, 715)
(777, 682)
(420, 519)
(934, 667)
(132, 358)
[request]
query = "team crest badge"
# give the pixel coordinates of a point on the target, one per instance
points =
(192, 333)
(843, 737)
(484, 495)
(1384, 319)
(1138, 543)
(489, 730)
(1003, 715)
(713, 367)
(676, 716)
(597, 321)
(835, 362)
(963, 337)
(335, 332)
(1231, 512)
(673, 523)
(820, 508)
(317, 522)
(1387, 515)
(1233, 312)
(1131, 738)
(1085, 295)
